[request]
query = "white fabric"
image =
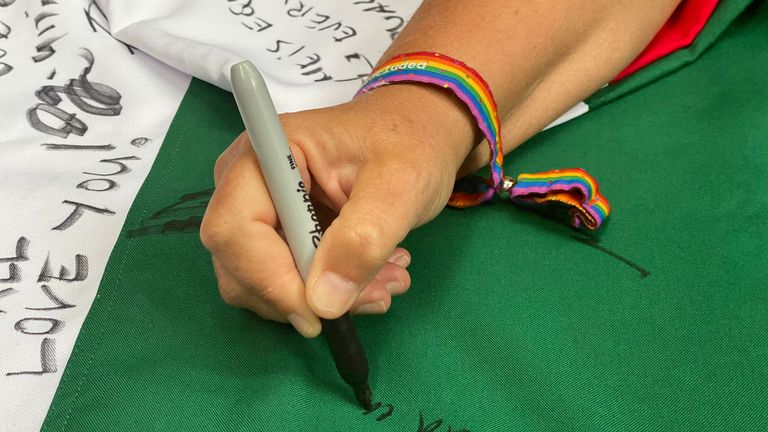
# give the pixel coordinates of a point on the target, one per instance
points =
(204, 38)
(35, 179)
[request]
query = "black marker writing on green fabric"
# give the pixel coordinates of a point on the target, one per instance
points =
(184, 215)
(389, 409)
(595, 244)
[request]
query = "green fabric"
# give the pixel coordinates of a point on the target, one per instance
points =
(724, 14)
(512, 323)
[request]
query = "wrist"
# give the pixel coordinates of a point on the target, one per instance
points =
(429, 115)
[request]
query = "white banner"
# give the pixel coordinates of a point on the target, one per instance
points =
(82, 117)
(312, 53)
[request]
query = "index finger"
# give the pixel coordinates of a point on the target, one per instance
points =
(239, 230)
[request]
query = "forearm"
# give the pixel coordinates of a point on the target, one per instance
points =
(540, 57)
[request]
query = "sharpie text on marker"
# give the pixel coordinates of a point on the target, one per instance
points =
(317, 231)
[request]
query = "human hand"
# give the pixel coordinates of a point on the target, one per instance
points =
(377, 166)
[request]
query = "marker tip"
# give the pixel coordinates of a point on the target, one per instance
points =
(363, 396)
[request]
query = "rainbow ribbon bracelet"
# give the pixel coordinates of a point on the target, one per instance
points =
(569, 193)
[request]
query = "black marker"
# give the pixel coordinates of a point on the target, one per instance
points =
(297, 215)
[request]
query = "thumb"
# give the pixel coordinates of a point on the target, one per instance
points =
(375, 219)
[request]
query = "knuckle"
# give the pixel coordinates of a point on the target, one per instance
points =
(219, 166)
(272, 287)
(212, 233)
(257, 288)
(367, 240)
(221, 160)
(227, 157)
(265, 291)
(231, 295)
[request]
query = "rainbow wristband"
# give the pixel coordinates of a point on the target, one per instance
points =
(550, 192)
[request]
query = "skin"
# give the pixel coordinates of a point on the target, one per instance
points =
(385, 163)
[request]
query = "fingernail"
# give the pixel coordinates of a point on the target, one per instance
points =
(395, 287)
(402, 260)
(302, 325)
(371, 308)
(334, 293)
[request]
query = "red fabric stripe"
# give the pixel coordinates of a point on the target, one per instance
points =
(679, 31)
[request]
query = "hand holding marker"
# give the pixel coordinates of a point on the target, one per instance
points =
(295, 212)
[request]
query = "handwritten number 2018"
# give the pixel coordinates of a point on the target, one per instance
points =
(89, 97)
